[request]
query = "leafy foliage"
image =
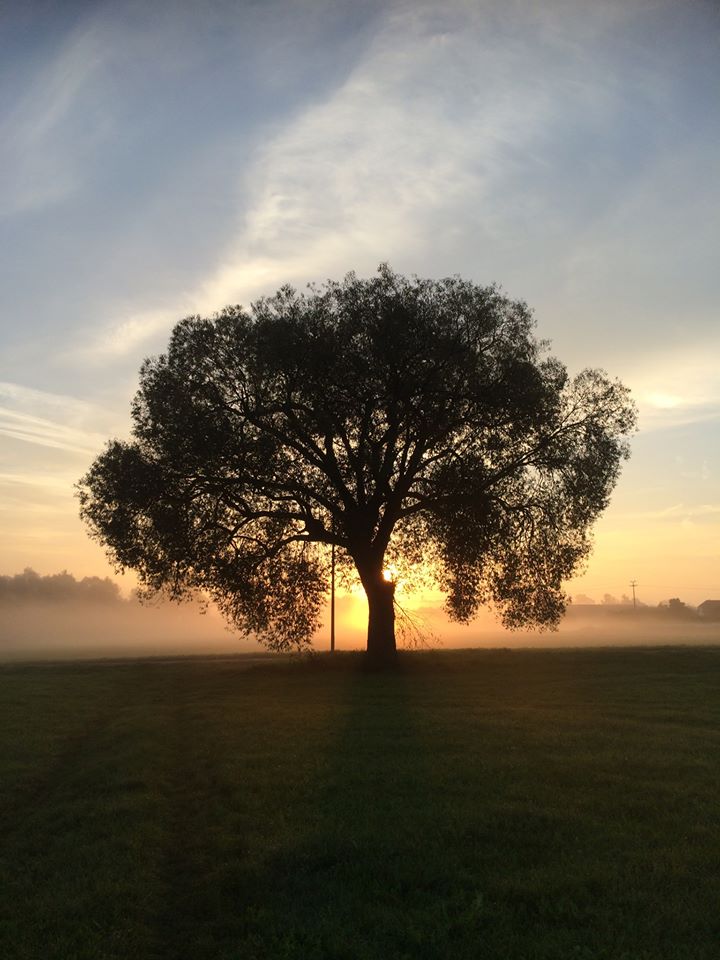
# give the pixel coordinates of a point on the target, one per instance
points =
(407, 416)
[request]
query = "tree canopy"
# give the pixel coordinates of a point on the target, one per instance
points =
(387, 416)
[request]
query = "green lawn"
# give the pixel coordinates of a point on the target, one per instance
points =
(489, 804)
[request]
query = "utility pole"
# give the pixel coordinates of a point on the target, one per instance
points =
(332, 591)
(633, 584)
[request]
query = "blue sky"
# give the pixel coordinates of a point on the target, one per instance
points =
(165, 159)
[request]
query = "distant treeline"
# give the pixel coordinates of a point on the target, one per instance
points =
(674, 609)
(30, 587)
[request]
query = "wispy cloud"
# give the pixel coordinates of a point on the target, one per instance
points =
(679, 388)
(124, 337)
(46, 433)
(677, 512)
(427, 152)
(451, 131)
(468, 141)
(55, 484)
(52, 420)
(47, 140)
(386, 164)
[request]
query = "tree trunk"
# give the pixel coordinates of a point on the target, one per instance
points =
(381, 620)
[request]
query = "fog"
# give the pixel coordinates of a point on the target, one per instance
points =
(588, 625)
(59, 617)
(74, 631)
(584, 627)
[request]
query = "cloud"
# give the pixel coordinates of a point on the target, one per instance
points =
(123, 337)
(385, 164)
(492, 140)
(56, 125)
(430, 145)
(677, 512)
(52, 420)
(55, 484)
(677, 389)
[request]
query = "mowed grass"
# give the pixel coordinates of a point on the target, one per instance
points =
(488, 804)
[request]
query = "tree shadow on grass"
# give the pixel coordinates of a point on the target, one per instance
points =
(430, 832)
(321, 811)
(363, 877)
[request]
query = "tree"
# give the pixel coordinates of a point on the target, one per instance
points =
(410, 419)
(675, 607)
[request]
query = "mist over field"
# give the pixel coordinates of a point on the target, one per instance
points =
(582, 626)
(61, 617)
(587, 627)
(72, 631)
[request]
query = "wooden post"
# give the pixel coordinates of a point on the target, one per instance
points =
(332, 593)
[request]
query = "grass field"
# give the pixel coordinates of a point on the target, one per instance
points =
(485, 804)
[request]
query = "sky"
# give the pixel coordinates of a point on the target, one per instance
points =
(166, 159)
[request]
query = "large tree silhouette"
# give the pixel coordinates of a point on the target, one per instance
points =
(413, 416)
